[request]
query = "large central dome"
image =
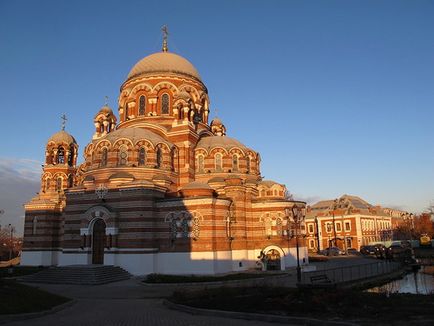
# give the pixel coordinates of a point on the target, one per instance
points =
(164, 62)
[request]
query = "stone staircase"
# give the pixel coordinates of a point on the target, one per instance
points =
(78, 274)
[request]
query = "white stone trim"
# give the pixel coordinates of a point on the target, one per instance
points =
(85, 231)
(111, 231)
(138, 262)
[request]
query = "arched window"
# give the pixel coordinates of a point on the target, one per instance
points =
(234, 162)
(142, 105)
(218, 162)
(159, 157)
(142, 156)
(70, 181)
(200, 164)
(104, 157)
(165, 104)
(248, 164)
(123, 155)
(126, 111)
(59, 184)
(60, 155)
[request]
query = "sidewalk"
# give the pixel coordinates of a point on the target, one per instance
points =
(125, 303)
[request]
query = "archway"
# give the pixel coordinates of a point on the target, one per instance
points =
(273, 260)
(98, 240)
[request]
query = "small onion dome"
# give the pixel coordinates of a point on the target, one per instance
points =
(197, 189)
(217, 127)
(135, 135)
(210, 142)
(268, 183)
(106, 110)
(121, 177)
(216, 122)
(62, 137)
(164, 62)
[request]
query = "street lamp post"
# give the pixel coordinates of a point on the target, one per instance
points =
(11, 241)
(317, 235)
(298, 216)
(335, 205)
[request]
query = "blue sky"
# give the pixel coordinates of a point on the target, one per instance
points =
(337, 96)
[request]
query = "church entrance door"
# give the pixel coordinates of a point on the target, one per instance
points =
(98, 239)
(273, 260)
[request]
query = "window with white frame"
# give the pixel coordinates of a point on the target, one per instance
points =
(218, 162)
(311, 244)
(165, 104)
(235, 162)
(142, 105)
(310, 225)
(123, 155)
(200, 164)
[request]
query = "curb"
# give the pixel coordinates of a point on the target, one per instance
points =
(16, 317)
(253, 316)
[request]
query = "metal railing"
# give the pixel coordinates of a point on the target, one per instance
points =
(350, 273)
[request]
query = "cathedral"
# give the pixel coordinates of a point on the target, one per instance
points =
(162, 188)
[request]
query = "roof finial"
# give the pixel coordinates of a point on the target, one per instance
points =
(63, 117)
(106, 100)
(165, 33)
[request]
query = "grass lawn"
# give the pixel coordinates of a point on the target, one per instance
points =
(18, 298)
(332, 304)
(163, 278)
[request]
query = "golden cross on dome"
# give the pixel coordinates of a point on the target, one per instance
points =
(165, 34)
(63, 117)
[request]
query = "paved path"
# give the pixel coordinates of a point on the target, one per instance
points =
(130, 303)
(125, 303)
(126, 312)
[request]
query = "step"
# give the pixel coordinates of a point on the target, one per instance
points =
(78, 274)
